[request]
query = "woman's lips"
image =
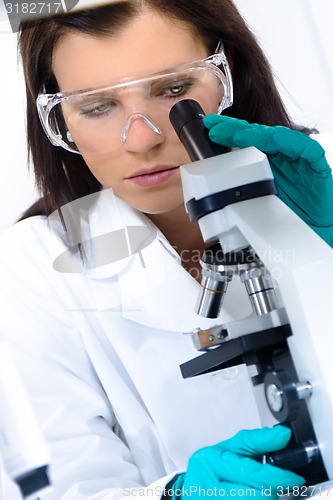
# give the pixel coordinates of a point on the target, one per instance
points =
(153, 177)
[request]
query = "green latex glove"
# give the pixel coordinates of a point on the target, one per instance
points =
(302, 175)
(226, 469)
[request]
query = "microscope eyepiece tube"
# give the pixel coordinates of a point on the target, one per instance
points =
(186, 118)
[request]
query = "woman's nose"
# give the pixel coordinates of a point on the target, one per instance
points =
(140, 133)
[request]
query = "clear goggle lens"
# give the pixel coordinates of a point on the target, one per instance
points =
(98, 120)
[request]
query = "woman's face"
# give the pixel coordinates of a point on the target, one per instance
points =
(144, 171)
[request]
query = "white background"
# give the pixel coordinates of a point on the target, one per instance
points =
(297, 36)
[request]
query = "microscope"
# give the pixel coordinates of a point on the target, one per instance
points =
(287, 272)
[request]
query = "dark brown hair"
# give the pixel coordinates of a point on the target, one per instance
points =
(62, 176)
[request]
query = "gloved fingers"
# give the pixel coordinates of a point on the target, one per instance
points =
(243, 470)
(303, 146)
(211, 120)
(241, 134)
(312, 195)
(291, 143)
(232, 132)
(257, 441)
(222, 129)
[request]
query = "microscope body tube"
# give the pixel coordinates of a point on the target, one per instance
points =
(22, 448)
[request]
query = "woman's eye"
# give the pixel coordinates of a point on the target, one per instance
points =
(174, 90)
(95, 110)
(177, 89)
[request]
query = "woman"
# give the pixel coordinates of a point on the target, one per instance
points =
(99, 334)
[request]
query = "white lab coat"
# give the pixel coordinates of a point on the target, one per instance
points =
(99, 351)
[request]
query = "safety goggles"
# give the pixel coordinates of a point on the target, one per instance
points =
(98, 119)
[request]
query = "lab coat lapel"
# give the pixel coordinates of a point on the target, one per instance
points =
(131, 266)
(154, 289)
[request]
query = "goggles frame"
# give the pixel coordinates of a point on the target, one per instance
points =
(217, 63)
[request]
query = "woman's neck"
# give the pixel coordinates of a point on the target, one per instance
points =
(184, 236)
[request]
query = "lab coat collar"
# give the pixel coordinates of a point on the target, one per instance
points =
(98, 235)
(122, 245)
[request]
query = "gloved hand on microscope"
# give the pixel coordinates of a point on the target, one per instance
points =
(231, 468)
(302, 175)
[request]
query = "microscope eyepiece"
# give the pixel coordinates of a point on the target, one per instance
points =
(183, 112)
(186, 118)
